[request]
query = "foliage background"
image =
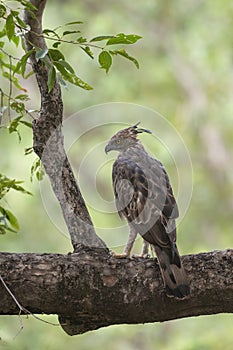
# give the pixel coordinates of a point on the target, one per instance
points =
(186, 74)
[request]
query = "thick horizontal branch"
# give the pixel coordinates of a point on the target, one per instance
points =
(90, 289)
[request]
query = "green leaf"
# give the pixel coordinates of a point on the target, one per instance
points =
(105, 60)
(10, 27)
(60, 67)
(81, 40)
(21, 65)
(67, 73)
(27, 4)
(64, 64)
(14, 13)
(23, 44)
(12, 219)
(49, 31)
(37, 170)
(75, 22)
(2, 210)
(2, 10)
(17, 106)
(14, 125)
(26, 76)
(40, 174)
(56, 55)
(88, 51)
(15, 40)
(51, 78)
(7, 228)
(20, 22)
(23, 61)
(20, 188)
(6, 184)
(8, 215)
(40, 54)
(22, 97)
(125, 39)
(2, 229)
(56, 44)
(126, 55)
(102, 37)
(73, 79)
(68, 32)
(28, 150)
(28, 124)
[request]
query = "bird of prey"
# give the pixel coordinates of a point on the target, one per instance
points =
(144, 197)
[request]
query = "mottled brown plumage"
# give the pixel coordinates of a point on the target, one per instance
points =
(144, 196)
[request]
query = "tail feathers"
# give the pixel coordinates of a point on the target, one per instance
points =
(174, 276)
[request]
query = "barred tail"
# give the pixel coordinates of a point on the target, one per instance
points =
(174, 276)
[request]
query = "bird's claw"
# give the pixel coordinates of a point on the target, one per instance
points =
(141, 256)
(120, 256)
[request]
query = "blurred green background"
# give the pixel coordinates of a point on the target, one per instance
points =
(186, 75)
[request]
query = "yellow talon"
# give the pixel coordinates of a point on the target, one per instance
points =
(120, 256)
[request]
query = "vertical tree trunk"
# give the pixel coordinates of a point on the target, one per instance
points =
(49, 145)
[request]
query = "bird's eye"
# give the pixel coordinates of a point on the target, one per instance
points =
(118, 141)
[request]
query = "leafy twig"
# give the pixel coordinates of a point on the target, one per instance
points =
(13, 99)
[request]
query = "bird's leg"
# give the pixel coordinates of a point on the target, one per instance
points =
(129, 245)
(144, 253)
(145, 249)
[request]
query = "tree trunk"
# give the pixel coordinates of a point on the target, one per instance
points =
(91, 290)
(48, 141)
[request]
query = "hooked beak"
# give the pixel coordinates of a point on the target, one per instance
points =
(107, 149)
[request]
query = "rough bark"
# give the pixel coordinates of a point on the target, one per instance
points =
(91, 290)
(48, 142)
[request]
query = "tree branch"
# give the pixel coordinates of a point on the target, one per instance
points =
(49, 145)
(116, 291)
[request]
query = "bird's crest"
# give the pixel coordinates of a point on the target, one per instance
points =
(132, 131)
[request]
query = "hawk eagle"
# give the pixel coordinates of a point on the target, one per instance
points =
(143, 195)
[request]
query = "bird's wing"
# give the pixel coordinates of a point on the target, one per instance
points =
(130, 193)
(159, 177)
(142, 191)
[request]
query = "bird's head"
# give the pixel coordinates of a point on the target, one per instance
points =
(125, 138)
